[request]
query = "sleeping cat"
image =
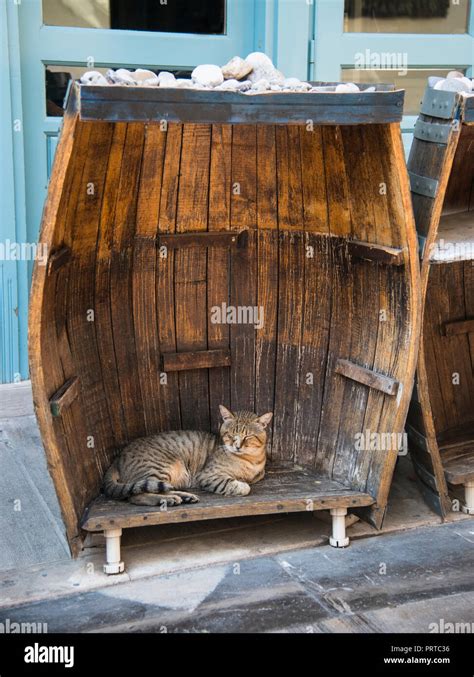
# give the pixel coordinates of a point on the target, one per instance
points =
(158, 469)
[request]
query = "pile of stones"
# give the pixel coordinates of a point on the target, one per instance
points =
(255, 74)
(453, 82)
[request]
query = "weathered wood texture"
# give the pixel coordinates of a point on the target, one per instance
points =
(156, 284)
(284, 490)
(199, 359)
(457, 451)
(147, 104)
(65, 396)
(441, 413)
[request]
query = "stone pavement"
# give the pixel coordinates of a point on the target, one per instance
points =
(412, 581)
(265, 573)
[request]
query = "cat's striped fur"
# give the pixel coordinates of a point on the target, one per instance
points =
(161, 468)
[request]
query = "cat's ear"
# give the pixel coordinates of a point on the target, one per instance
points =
(265, 419)
(225, 413)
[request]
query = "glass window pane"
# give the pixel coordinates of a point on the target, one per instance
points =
(174, 16)
(414, 82)
(57, 79)
(406, 16)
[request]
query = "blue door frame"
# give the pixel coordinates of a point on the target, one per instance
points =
(304, 38)
(281, 28)
(423, 50)
(13, 274)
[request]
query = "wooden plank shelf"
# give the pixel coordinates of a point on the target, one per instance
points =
(455, 238)
(457, 450)
(459, 468)
(281, 491)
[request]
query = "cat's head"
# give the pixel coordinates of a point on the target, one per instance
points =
(243, 431)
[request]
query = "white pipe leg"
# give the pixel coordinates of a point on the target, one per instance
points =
(339, 538)
(113, 563)
(468, 505)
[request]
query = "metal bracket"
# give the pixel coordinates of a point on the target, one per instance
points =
(432, 131)
(440, 104)
(423, 185)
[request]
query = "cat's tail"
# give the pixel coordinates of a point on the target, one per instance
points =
(113, 488)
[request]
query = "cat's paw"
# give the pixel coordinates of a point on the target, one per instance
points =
(171, 500)
(187, 497)
(237, 488)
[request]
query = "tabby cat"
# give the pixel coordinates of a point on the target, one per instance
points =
(159, 469)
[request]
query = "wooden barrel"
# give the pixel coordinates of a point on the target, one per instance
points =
(441, 417)
(210, 247)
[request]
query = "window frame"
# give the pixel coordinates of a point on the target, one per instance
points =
(434, 50)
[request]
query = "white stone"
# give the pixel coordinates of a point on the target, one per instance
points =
(343, 88)
(122, 77)
(352, 86)
(259, 60)
(452, 85)
(228, 86)
(145, 78)
(93, 78)
(276, 77)
(236, 69)
(296, 85)
(182, 83)
(166, 79)
(261, 85)
(263, 68)
(245, 85)
(454, 74)
(323, 88)
(207, 75)
(234, 86)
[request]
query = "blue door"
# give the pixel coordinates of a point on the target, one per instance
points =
(44, 42)
(393, 42)
(59, 39)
